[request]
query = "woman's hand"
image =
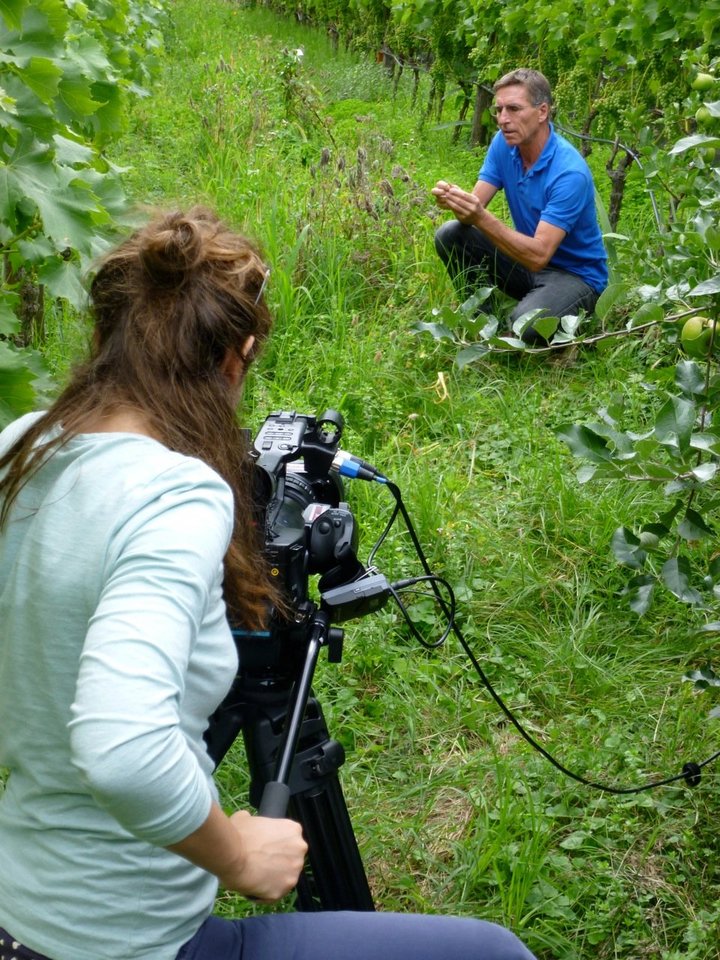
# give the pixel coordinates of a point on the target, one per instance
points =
(272, 853)
(256, 856)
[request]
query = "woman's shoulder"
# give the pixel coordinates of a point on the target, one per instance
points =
(143, 463)
(14, 430)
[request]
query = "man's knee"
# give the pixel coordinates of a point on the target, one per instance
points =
(448, 239)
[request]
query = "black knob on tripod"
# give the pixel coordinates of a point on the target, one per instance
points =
(275, 799)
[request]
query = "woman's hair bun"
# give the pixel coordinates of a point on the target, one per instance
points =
(172, 248)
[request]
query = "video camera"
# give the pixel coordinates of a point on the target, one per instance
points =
(305, 525)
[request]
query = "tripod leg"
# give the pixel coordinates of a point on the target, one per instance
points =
(335, 879)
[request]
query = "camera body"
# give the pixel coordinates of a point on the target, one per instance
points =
(306, 527)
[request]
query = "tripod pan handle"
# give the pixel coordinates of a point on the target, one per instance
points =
(275, 798)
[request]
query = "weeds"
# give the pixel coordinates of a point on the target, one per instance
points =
(454, 812)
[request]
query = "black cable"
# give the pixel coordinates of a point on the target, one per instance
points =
(691, 770)
(406, 584)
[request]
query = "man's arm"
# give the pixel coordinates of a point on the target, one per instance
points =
(534, 253)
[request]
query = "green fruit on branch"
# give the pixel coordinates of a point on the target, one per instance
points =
(703, 116)
(697, 332)
(703, 81)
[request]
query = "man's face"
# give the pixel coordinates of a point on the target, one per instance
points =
(519, 121)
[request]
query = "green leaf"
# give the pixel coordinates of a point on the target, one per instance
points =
(70, 152)
(646, 313)
(69, 211)
(674, 423)
(696, 140)
(584, 442)
(526, 321)
(475, 302)
(609, 297)
(91, 58)
(651, 535)
(706, 287)
(690, 378)
(43, 77)
(11, 11)
(676, 573)
(76, 94)
(627, 549)
(474, 352)
(569, 324)
(9, 321)
(574, 840)
(694, 527)
(668, 518)
(639, 592)
(62, 279)
(17, 375)
(659, 471)
(586, 473)
(437, 330)
(706, 442)
(508, 343)
(705, 472)
(546, 326)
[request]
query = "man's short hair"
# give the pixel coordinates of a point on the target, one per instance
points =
(534, 82)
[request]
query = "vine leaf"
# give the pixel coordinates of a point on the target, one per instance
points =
(12, 11)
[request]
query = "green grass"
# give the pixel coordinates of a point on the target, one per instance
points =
(453, 811)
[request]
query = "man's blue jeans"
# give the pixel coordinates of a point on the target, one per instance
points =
(473, 261)
(353, 936)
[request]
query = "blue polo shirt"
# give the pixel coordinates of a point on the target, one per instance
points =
(558, 188)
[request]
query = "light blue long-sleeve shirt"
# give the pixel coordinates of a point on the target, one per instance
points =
(114, 651)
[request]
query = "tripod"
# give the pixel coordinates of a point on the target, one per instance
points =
(293, 761)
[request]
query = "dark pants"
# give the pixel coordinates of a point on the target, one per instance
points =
(336, 936)
(353, 936)
(12, 950)
(473, 261)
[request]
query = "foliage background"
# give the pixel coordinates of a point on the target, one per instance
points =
(327, 158)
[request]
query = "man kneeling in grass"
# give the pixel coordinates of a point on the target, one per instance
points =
(554, 260)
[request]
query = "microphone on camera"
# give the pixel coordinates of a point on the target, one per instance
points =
(347, 465)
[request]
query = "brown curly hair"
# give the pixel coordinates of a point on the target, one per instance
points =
(168, 303)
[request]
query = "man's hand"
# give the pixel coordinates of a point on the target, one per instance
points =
(534, 253)
(467, 207)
